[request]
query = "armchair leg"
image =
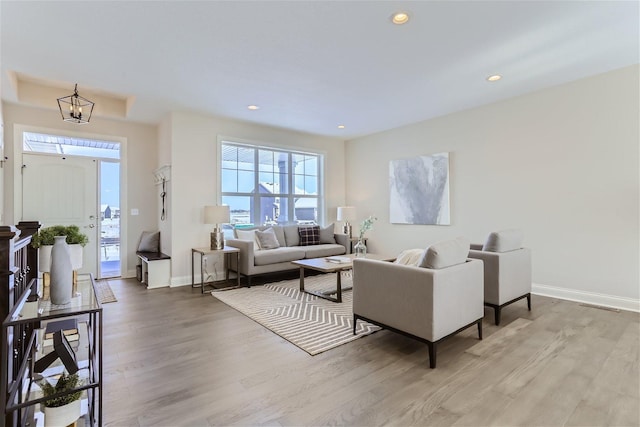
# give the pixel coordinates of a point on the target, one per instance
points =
(496, 313)
(355, 320)
(529, 301)
(480, 329)
(432, 354)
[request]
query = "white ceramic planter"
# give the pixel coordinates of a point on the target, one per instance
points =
(44, 257)
(62, 416)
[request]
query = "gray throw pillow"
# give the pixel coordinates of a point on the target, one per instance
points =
(326, 234)
(149, 241)
(267, 239)
(504, 240)
(291, 235)
(445, 254)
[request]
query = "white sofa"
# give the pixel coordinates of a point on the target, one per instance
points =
(255, 259)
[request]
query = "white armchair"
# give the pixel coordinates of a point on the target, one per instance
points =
(507, 269)
(427, 304)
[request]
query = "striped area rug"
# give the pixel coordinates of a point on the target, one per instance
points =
(311, 323)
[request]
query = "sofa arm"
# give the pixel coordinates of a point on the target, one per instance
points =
(477, 246)
(246, 254)
(344, 240)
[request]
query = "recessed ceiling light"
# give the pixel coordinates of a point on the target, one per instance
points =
(400, 18)
(494, 78)
(253, 107)
(340, 126)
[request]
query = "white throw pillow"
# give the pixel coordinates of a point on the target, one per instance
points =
(267, 239)
(446, 254)
(249, 235)
(409, 257)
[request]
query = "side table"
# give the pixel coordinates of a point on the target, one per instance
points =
(226, 252)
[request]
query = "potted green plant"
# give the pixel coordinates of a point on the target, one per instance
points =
(62, 410)
(43, 241)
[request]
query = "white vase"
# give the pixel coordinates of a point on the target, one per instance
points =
(62, 416)
(44, 257)
(61, 273)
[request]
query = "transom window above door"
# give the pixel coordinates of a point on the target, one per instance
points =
(54, 144)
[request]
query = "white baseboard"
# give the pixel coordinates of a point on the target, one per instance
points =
(622, 303)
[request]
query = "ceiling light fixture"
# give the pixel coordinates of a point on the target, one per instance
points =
(71, 108)
(400, 18)
(494, 78)
(340, 126)
(253, 107)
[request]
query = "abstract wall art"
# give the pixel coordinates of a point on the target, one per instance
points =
(420, 190)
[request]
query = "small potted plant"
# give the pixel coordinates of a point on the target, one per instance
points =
(44, 239)
(62, 410)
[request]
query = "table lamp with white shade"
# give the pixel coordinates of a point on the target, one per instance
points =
(346, 214)
(217, 215)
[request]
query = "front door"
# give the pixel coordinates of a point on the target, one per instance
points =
(62, 190)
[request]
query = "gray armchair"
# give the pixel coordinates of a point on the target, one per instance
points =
(427, 304)
(507, 269)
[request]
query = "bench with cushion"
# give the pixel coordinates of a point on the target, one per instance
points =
(155, 266)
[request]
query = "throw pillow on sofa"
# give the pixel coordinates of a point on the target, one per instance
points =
(267, 239)
(409, 257)
(326, 234)
(309, 235)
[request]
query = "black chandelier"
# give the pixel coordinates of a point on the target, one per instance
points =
(75, 109)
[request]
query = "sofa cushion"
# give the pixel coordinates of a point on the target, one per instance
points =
(504, 240)
(291, 235)
(410, 257)
(266, 257)
(309, 235)
(267, 239)
(323, 250)
(445, 254)
(326, 234)
(248, 235)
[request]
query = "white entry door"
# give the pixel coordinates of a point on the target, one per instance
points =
(62, 190)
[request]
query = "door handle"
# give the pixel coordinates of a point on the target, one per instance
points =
(92, 225)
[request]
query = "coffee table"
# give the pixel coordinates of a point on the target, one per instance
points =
(324, 266)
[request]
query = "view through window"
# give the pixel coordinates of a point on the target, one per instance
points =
(267, 186)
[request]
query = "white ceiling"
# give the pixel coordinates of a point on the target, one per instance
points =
(312, 65)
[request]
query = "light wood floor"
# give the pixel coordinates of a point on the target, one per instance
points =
(174, 357)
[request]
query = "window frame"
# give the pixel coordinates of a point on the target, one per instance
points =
(256, 197)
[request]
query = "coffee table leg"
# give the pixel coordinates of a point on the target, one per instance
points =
(301, 279)
(339, 284)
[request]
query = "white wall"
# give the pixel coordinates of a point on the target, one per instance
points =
(141, 160)
(561, 163)
(194, 161)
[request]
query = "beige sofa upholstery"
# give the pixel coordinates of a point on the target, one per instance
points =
(255, 261)
(423, 303)
(507, 269)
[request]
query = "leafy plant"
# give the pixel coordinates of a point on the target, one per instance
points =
(46, 235)
(366, 225)
(66, 382)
